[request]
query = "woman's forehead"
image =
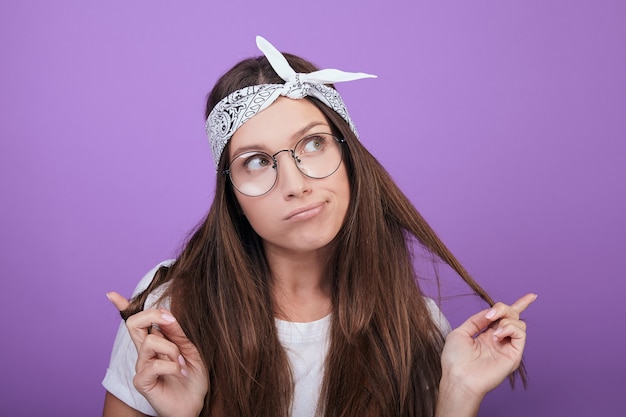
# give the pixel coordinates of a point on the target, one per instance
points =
(282, 123)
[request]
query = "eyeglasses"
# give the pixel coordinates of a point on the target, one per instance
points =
(254, 173)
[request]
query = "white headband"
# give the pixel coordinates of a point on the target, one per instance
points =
(238, 107)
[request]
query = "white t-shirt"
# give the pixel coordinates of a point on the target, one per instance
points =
(306, 345)
(118, 379)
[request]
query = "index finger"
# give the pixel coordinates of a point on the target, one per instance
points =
(523, 303)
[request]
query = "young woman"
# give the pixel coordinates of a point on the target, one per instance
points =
(297, 295)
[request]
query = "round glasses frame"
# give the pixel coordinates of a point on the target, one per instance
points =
(319, 162)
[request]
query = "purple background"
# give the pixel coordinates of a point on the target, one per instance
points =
(505, 122)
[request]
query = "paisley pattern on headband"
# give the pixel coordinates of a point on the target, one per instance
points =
(240, 106)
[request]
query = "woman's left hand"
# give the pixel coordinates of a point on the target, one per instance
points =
(484, 350)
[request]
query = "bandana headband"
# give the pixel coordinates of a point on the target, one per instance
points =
(240, 106)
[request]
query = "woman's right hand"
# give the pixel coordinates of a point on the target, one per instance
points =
(170, 373)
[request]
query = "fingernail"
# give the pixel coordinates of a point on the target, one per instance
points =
(536, 295)
(168, 318)
(491, 313)
(183, 372)
(181, 360)
(109, 297)
(496, 333)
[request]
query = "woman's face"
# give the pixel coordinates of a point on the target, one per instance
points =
(299, 214)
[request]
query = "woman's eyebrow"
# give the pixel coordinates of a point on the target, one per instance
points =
(249, 148)
(305, 129)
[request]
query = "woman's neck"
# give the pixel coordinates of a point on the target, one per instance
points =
(301, 288)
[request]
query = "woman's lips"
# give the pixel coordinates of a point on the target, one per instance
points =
(306, 212)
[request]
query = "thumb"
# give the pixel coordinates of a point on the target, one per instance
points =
(475, 324)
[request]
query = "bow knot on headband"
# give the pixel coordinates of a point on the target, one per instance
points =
(240, 106)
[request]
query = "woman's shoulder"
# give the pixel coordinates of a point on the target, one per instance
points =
(437, 315)
(154, 296)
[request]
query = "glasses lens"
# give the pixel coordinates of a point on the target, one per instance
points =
(252, 173)
(318, 155)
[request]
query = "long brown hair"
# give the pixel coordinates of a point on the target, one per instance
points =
(384, 353)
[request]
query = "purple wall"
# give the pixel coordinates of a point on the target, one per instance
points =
(505, 122)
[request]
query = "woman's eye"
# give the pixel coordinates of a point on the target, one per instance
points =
(256, 162)
(313, 144)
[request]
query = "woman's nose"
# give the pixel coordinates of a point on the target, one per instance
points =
(291, 181)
